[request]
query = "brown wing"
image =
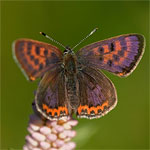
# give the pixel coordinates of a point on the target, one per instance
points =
(97, 94)
(119, 55)
(35, 57)
(50, 96)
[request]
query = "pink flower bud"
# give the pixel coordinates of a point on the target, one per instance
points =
(50, 135)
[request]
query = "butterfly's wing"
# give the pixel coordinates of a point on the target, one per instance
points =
(97, 94)
(119, 55)
(35, 57)
(50, 96)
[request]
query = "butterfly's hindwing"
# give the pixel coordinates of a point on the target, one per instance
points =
(119, 55)
(36, 57)
(97, 94)
(50, 97)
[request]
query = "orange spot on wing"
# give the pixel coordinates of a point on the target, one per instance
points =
(121, 74)
(117, 46)
(106, 48)
(79, 109)
(27, 56)
(108, 57)
(123, 58)
(103, 105)
(49, 110)
(95, 50)
(126, 54)
(115, 52)
(84, 107)
(116, 62)
(95, 109)
(54, 110)
(42, 56)
(32, 78)
(45, 107)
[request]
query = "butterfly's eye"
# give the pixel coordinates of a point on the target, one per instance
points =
(65, 51)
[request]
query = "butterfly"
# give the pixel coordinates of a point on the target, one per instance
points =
(72, 82)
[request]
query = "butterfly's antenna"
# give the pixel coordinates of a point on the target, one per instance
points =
(52, 39)
(85, 38)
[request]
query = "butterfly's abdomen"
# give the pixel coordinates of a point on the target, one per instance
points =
(72, 91)
(70, 70)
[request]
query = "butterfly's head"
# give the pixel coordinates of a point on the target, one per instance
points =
(67, 50)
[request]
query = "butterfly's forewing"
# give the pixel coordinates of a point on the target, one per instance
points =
(50, 96)
(97, 94)
(36, 57)
(119, 55)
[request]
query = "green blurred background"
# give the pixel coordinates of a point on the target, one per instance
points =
(127, 126)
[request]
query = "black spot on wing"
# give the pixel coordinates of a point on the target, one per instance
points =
(101, 50)
(101, 59)
(45, 52)
(37, 50)
(54, 55)
(112, 47)
(55, 114)
(29, 47)
(121, 53)
(41, 66)
(116, 58)
(47, 62)
(24, 60)
(21, 46)
(36, 61)
(31, 57)
(109, 63)
(28, 52)
(29, 67)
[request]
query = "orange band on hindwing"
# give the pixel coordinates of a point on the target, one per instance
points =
(54, 111)
(90, 109)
